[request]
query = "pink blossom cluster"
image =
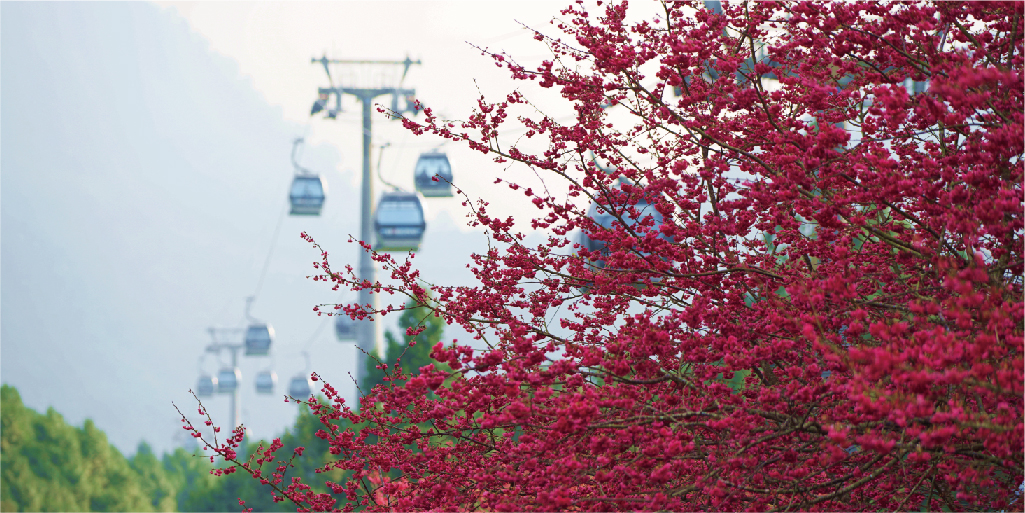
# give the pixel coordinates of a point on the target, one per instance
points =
(825, 314)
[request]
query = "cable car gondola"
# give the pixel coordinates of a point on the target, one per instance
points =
(228, 380)
(265, 382)
(602, 217)
(429, 165)
(307, 195)
(300, 387)
(308, 189)
(399, 221)
(259, 336)
(206, 385)
(345, 328)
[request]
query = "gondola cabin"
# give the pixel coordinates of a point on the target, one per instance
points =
(228, 380)
(399, 222)
(259, 337)
(602, 218)
(265, 382)
(345, 328)
(605, 219)
(206, 385)
(300, 387)
(307, 195)
(427, 167)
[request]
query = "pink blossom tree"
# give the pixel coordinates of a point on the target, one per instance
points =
(799, 288)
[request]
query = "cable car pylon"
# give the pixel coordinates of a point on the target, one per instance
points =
(366, 332)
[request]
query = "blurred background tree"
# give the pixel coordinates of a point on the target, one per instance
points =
(51, 466)
(154, 481)
(48, 465)
(398, 349)
(221, 493)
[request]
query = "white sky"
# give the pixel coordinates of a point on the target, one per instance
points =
(273, 42)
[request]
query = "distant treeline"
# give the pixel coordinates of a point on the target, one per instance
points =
(48, 465)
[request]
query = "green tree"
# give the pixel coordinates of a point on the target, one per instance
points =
(155, 481)
(199, 491)
(49, 465)
(412, 352)
(189, 472)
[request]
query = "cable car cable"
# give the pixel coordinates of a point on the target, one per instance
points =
(313, 337)
(270, 252)
(257, 344)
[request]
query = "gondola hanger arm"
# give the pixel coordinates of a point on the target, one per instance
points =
(380, 156)
(249, 304)
(299, 169)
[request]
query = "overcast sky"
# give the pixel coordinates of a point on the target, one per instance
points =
(145, 166)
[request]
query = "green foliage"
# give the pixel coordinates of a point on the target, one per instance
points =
(412, 352)
(48, 465)
(199, 491)
(192, 482)
(155, 482)
(210, 493)
(51, 466)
